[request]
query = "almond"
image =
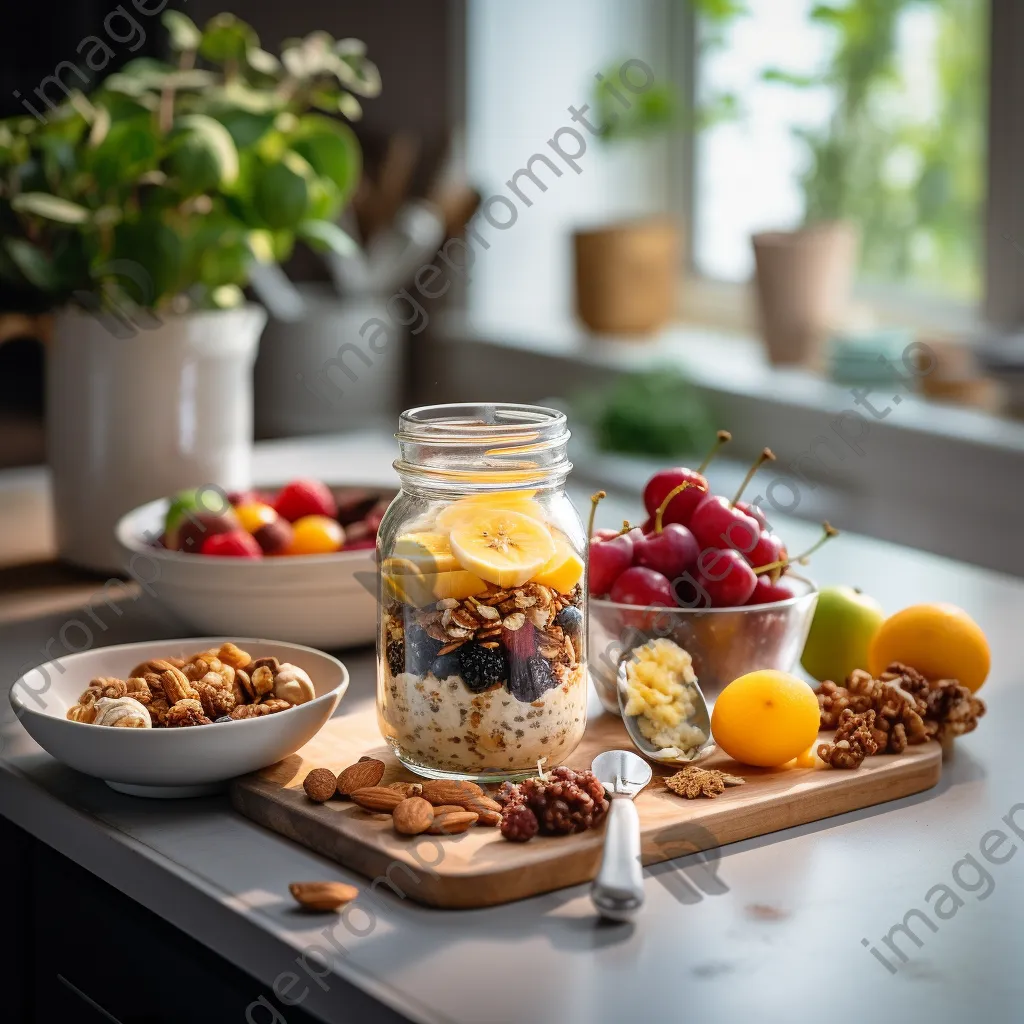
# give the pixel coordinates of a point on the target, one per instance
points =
(377, 798)
(322, 895)
(443, 791)
(360, 775)
(452, 822)
(413, 816)
(489, 810)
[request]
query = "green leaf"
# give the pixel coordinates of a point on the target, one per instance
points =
(281, 192)
(157, 255)
(227, 38)
(203, 156)
(262, 61)
(36, 267)
(261, 245)
(130, 149)
(332, 150)
(42, 204)
(183, 32)
(244, 127)
(359, 75)
(349, 106)
(323, 235)
(307, 58)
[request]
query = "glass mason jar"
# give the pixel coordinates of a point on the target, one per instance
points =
(482, 667)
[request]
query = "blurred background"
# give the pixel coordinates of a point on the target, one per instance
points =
(802, 221)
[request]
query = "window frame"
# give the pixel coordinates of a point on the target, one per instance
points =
(728, 304)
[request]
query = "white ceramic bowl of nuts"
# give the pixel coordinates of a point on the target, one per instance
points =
(174, 718)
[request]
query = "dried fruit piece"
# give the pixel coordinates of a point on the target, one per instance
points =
(322, 896)
(185, 713)
(377, 798)
(452, 822)
(319, 784)
(361, 775)
(413, 816)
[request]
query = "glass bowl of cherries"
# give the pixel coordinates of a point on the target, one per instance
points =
(705, 571)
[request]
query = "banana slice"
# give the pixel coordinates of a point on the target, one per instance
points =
(564, 570)
(422, 552)
(468, 508)
(501, 546)
(422, 589)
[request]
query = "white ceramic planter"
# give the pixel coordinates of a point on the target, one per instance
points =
(130, 419)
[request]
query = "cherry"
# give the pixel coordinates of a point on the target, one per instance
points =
(768, 548)
(668, 551)
(755, 512)
(662, 484)
(717, 522)
(766, 592)
(726, 577)
(642, 586)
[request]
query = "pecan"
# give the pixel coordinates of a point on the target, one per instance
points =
(139, 689)
(243, 711)
(177, 686)
(275, 704)
(109, 686)
(464, 618)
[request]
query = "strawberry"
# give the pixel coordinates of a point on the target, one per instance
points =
(303, 498)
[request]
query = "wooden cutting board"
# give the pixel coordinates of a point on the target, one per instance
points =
(479, 868)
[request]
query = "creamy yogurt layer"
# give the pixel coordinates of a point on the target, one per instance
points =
(442, 724)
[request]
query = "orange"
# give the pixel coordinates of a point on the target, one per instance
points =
(766, 718)
(940, 640)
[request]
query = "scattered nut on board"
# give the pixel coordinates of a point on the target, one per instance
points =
(322, 896)
(413, 816)
(360, 775)
(320, 784)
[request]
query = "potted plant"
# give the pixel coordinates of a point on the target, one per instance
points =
(804, 278)
(627, 274)
(138, 214)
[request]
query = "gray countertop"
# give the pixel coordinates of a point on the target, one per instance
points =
(768, 929)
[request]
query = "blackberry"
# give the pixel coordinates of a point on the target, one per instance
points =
(396, 656)
(482, 667)
(446, 665)
(420, 651)
(530, 679)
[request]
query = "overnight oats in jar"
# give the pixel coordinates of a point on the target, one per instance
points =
(482, 668)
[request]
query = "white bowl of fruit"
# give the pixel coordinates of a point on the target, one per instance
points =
(298, 563)
(705, 571)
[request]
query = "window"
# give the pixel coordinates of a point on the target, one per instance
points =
(875, 110)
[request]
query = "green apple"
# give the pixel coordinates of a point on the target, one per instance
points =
(844, 624)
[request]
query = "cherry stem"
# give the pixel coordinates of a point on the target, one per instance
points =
(626, 527)
(829, 532)
(724, 437)
(659, 515)
(595, 500)
(766, 456)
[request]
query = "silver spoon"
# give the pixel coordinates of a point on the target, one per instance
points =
(701, 718)
(618, 889)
